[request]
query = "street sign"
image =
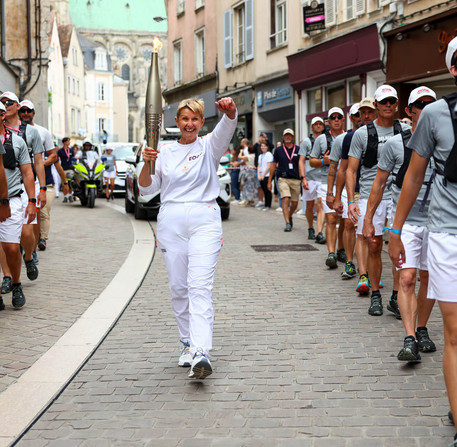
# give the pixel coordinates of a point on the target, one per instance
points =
(314, 17)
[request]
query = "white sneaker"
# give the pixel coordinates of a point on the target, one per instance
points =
(243, 202)
(267, 208)
(235, 201)
(300, 212)
(259, 205)
(279, 209)
(185, 359)
(201, 366)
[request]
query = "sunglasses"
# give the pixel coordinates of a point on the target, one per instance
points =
(8, 102)
(420, 104)
(336, 117)
(391, 101)
(25, 110)
(357, 115)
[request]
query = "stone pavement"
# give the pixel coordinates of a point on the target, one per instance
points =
(298, 361)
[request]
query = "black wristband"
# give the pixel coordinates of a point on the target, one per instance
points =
(32, 200)
(4, 201)
(43, 188)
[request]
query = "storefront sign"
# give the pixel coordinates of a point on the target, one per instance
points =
(276, 94)
(443, 39)
(243, 101)
(314, 17)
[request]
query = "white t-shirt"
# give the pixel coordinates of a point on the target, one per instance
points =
(264, 159)
(188, 172)
(46, 137)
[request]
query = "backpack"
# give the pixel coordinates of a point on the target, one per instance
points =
(400, 175)
(9, 158)
(448, 168)
(370, 158)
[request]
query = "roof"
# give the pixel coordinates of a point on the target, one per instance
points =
(88, 47)
(65, 38)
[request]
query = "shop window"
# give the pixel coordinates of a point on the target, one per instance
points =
(354, 91)
(315, 101)
(336, 96)
(278, 34)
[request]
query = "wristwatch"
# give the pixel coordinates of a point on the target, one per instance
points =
(4, 201)
(32, 200)
(330, 193)
(301, 177)
(43, 188)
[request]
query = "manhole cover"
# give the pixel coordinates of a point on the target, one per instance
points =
(285, 247)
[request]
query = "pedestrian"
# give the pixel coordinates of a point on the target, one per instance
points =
(348, 236)
(248, 178)
(33, 140)
(263, 173)
(110, 172)
(19, 174)
(367, 112)
(263, 138)
(66, 155)
(366, 147)
(235, 174)
(189, 222)
(285, 163)
(311, 197)
(433, 138)
(319, 158)
(414, 234)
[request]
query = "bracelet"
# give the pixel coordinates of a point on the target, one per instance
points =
(322, 161)
(352, 201)
(66, 183)
(43, 188)
(330, 194)
(32, 201)
(394, 231)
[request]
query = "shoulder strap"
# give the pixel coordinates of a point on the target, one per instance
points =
(397, 127)
(370, 158)
(329, 138)
(22, 131)
(400, 175)
(9, 158)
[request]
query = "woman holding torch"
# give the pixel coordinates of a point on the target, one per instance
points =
(189, 222)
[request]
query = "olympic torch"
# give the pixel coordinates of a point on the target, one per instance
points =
(154, 103)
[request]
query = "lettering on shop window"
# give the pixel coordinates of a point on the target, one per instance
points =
(276, 94)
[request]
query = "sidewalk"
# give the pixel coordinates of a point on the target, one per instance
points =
(298, 362)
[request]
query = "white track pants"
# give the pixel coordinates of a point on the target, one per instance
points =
(190, 238)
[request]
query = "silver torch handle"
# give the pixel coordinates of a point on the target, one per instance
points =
(153, 108)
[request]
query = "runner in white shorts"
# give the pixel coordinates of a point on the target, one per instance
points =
(366, 147)
(433, 138)
(310, 197)
(414, 236)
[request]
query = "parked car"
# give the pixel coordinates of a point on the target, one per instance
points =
(148, 206)
(120, 152)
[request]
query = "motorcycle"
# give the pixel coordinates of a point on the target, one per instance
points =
(86, 181)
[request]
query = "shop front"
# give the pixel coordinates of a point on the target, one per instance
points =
(416, 55)
(336, 73)
(275, 107)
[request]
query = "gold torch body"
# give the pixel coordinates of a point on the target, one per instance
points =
(153, 107)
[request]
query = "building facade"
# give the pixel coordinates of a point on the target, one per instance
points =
(192, 37)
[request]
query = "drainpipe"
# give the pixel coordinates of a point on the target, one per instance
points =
(2, 5)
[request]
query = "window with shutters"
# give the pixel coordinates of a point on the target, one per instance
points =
(278, 21)
(200, 52)
(101, 125)
(353, 8)
(239, 34)
(180, 7)
(199, 4)
(330, 12)
(101, 63)
(177, 62)
(101, 96)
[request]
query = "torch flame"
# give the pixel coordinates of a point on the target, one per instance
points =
(157, 44)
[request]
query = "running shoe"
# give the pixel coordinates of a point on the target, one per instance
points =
(2, 306)
(320, 239)
(288, 228)
(349, 271)
(201, 366)
(70, 199)
(279, 209)
(301, 212)
(410, 351)
(259, 205)
(31, 268)
(381, 285)
(341, 255)
(65, 200)
(363, 287)
(18, 296)
(243, 202)
(393, 306)
(42, 244)
(331, 261)
(311, 234)
(423, 340)
(375, 308)
(35, 258)
(185, 359)
(6, 285)
(291, 221)
(266, 208)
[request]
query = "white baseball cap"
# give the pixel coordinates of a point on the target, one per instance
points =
(451, 49)
(385, 91)
(419, 92)
(2, 107)
(335, 110)
(317, 119)
(9, 95)
(28, 104)
(354, 108)
(288, 131)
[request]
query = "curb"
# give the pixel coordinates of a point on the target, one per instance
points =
(23, 402)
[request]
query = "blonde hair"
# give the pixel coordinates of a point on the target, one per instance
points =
(194, 104)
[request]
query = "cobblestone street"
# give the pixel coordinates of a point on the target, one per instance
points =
(298, 361)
